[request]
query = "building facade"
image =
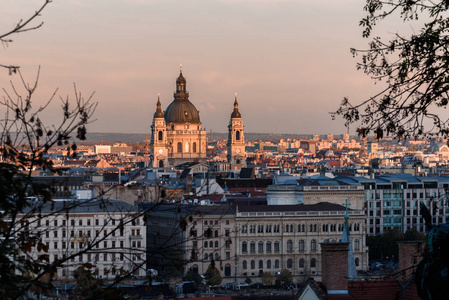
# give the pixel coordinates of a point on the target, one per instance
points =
(276, 237)
(109, 234)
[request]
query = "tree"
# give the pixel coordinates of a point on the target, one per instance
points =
(248, 280)
(285, 276)
(23, 25)
(414, 68)
(192, 276)
(267, 278)
(385, 246)
(212, 275)
(414, 235)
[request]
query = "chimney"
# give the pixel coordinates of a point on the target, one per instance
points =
(334, 272)
(410, 254)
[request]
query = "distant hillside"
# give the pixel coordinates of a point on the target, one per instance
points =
(108, 137)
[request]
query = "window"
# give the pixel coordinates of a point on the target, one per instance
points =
(252, 247)
(205, 244)
(56, 222)
(159, 136)
(301, 245)
(206, 256)
(268, 247)
(179, 147)
(260, 264)
(244, 265)
(216, 256)
(244, 247)
(357, 262)
(227, 270)
(276, 264)
(194, 147)
(313, 263)
(227, 232)
(301, 262)
(228, 244)
(276, 246)
(289, 245)
(253, 265)
(228, 255)
(289, 263)
(216, 244)
(73, 222)
(80, 222)
(187, 147)
(356, 245)
(260, 247)
(216, 233)
(268, 264)
(313, 245)
(211, 244)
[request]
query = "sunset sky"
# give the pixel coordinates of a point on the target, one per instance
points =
(289, 61)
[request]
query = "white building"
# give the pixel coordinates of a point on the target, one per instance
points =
(110, 234)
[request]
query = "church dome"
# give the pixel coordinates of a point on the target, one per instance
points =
(182, 111)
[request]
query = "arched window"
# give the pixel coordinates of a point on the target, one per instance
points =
(216, 244)
(289, 245)
(268, 264)
(211, 244)
(216, 233)
(268, 247)
(194, 147)
(276, 246)
(289, 263)
(356, 245)
(253, 265)
(227, 270)
(260, 247)
(195, 269)
(160, 135)
(276, 264)
(211, 256)
(301, 245)
(206, 256)
(216, 256)
(205, 244)
(313, 245)
(244, 247)
(357, 261)
(179, 147)
(260, 264)
(252, 247)
(286, 228)
(313, 263)
(187, 147)
(291, 227)
(237, 135)
(161, 164)
(244, 265)
(301, 262)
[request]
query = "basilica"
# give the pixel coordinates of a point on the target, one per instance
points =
(177, 135)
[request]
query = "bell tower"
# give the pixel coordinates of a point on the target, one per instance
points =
(236, 138)
(159, 150)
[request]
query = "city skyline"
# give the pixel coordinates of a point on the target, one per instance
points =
(288, 61)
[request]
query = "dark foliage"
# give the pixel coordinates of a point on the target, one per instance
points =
(414, 68)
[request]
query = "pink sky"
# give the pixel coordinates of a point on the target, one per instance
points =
(289, 61)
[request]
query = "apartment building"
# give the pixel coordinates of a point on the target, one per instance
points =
(392, 201)
(110, 234)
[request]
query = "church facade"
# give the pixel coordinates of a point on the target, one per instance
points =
(177, 135)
